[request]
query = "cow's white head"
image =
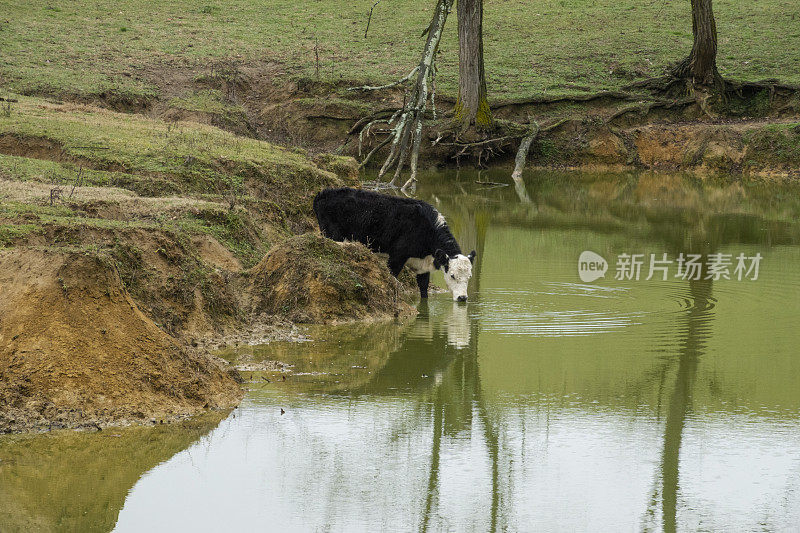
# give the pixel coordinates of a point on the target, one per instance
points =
(457, 271)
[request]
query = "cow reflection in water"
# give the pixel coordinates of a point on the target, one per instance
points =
(450, 320)
(440, 355)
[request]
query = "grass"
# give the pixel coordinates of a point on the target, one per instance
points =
(44, 171)
(140, 144)
(181, 157)
(548, 47)
(774, 144)
(200, 179)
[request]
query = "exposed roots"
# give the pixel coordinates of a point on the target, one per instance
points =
(679, 85)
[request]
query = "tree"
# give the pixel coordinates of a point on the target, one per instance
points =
(700, 68)
(472, 107)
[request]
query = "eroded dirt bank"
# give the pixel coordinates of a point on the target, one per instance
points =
(131, 246)
(76, 350)
(753, 132)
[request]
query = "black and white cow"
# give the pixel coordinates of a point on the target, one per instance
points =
(410, 231)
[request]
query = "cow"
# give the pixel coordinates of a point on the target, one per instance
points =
(411, 232)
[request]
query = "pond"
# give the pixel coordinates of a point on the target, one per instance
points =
(545, 403)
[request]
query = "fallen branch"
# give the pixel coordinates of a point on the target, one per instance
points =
(372, 152)
(522, 153)
(407, 134)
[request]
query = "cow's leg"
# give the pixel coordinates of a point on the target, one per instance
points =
(422, 282)
(396, 264)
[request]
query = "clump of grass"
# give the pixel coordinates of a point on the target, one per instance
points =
(310, 278)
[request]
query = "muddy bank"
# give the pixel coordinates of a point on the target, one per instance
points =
(89, 341)
(76, 351)
(127, 249)
(112, 325)
(312, 279)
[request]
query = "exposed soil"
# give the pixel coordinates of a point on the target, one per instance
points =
(76, 350)
(312, 279)
(724, 147)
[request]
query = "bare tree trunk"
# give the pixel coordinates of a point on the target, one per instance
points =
(472, 107)
(701, 65)
(704, 50)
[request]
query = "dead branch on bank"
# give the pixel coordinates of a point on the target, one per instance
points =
(406, 124)
(522, 153)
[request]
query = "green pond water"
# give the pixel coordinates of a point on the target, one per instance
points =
(544, 404)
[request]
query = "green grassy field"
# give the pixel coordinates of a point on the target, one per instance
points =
(532, 48)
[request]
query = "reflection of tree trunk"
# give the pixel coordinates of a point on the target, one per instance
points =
(459, 394)
(456, 398)
(433, 476)
(482, 221)
(492, 446)
(696, 333)
(469, 224)
(522, 193)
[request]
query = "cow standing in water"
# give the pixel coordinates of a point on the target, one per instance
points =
(410, 231)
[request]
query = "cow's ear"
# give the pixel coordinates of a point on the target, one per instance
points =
(471, 256)
(440, 259)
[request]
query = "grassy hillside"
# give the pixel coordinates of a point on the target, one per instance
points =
(134, 47)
